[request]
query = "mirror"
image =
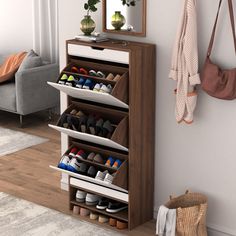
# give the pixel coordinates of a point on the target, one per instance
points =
(124, 17)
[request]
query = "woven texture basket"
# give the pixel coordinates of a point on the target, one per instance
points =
(191, 209)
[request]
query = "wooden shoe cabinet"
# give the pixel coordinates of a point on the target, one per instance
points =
(131, 109)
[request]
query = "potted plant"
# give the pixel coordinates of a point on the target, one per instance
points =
(88, 25)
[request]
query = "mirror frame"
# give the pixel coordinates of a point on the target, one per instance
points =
(123, 32)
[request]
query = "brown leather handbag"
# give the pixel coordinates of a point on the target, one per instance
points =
(217, 82)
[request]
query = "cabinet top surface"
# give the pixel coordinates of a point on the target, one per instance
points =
(113, 44)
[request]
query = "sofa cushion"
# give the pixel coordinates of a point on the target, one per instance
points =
(10, 66)
(8, 97)
(31, 60)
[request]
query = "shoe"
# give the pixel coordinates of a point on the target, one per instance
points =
(97, 87)
(92, 172)
(84, 212)
(88, 84)
(101, 75)
(83, 168)
(76, 210)
(91, 156)
(110, 77)
(114, 207)
(112, 222)
(92, 199)
(103, 219)
(110, 161)
(64, 162)
(80, 114)
(80, 196)
(101, 175)
(106, 88)
(73, 122)
(81, 155)
(71, 81)
(73, 112)
(102, 204)
(74, 69)
(92, 73)
(63, 120)
(107, 129)
(80, 83)
(73, 152)
(109, 178)
(99, 127)
(83, 71)
(74, 165)
(117, 78)
(121, 225)
(93, 216)
(117, 164)
(63, 79)
(83, 124)
(98, 159)
(91, 123)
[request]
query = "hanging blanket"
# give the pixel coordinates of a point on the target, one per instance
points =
(184, 67)
(10, 66)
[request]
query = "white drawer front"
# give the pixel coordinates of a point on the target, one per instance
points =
(105, 54)
(100, 190)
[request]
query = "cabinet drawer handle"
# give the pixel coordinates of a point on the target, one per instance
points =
(97, 48)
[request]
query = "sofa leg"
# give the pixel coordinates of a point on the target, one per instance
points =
(21, 121)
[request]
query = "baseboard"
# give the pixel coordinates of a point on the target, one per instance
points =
(213, 230)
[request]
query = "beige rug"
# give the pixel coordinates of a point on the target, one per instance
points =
(22, 218)
(12, 141)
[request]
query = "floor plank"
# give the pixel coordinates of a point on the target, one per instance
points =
(26, 173)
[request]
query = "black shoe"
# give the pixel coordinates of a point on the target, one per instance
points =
(114, 207)
(73, 122)
(92, 172)
(102, 204)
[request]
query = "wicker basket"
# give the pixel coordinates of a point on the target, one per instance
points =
(191, 211)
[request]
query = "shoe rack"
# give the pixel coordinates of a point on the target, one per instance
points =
(131, 108)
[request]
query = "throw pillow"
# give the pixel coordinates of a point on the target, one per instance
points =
(10, 66)
(31, 60)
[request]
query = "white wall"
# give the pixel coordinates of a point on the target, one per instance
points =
(200, 157)
(15, 26)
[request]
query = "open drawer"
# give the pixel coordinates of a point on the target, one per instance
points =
(119, 95)
(119, 120)
(100, 190)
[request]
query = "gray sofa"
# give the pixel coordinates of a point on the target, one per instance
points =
(30, 92)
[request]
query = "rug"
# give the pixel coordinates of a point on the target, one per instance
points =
(12, 141)
(22, 218)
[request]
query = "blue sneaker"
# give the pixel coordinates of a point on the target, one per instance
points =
(88, 84)
(74, 165)
(63, 164)
(79, 83)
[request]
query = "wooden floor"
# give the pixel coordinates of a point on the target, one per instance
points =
(26, 174)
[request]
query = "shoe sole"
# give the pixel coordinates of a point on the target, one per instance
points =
(115, 211)
(80, 200)
(101, 208)
(91, 203)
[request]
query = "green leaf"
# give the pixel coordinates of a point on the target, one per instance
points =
(86, 6)
(93, 8)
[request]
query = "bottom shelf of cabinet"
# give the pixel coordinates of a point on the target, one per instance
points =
(123, 215)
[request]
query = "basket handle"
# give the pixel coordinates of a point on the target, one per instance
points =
(201, 213)
(172, 196)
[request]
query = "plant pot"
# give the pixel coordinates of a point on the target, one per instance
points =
(87, 25)
(118, 20)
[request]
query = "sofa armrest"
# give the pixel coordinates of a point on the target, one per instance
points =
(32, 91)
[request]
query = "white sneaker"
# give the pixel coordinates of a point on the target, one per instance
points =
(80, 196)
(108, 178)
(64, 162)
(92, 199)
(101, 175)
(106, 89)
(74, 165)
(97, 87)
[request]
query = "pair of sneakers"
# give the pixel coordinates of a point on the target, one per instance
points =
(111, 162)
(82, 83)
(105, 176)
(89, 198)
(102, 88)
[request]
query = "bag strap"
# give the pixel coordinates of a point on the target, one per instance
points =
(231, 12)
